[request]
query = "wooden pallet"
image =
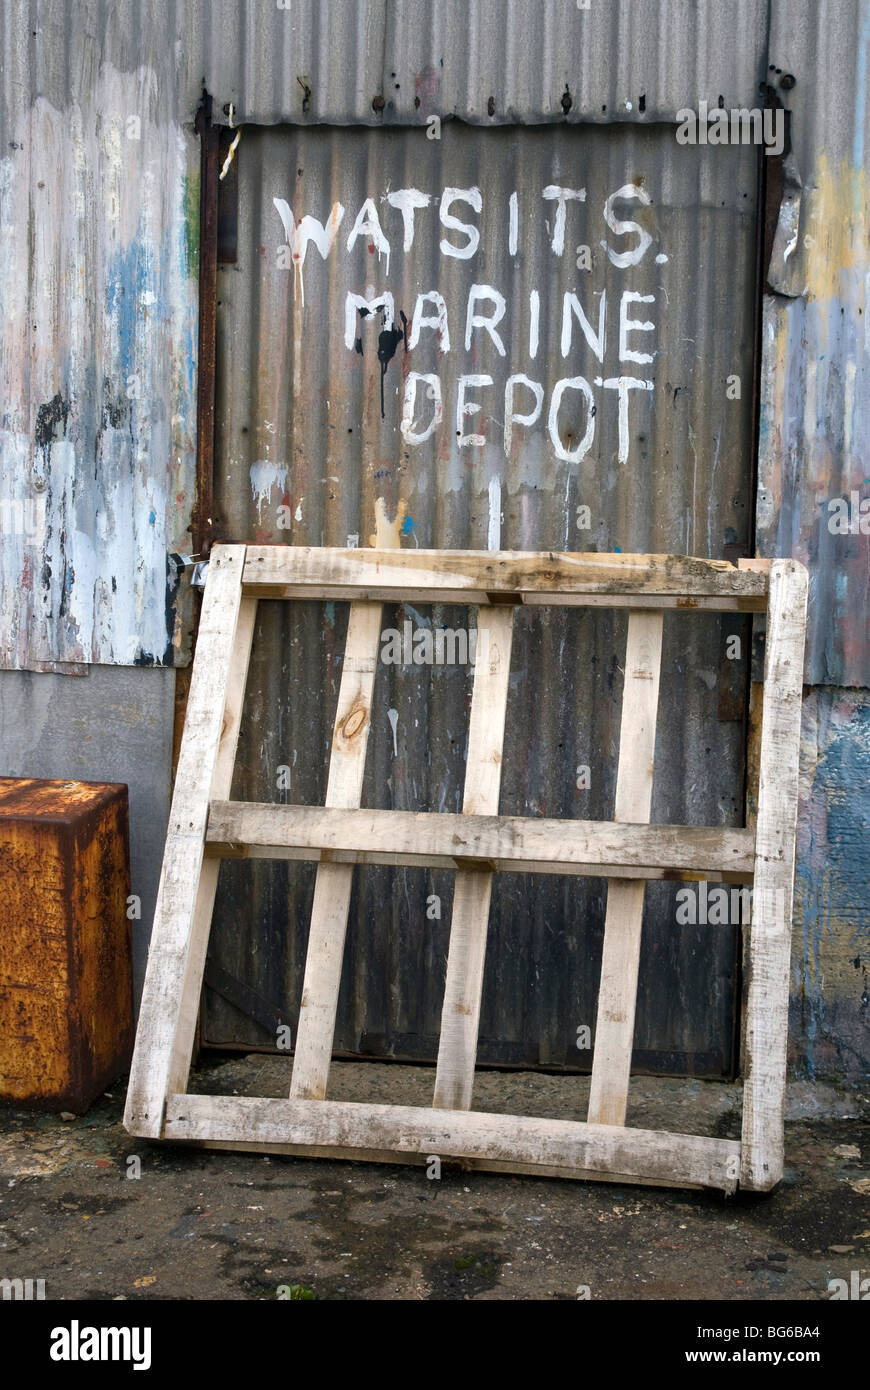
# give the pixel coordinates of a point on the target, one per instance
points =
(206, 826)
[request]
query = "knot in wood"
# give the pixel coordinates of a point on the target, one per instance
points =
(353, 723)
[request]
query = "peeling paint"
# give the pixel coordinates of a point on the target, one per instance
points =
(95, 421)
(265, 478)
(831, 940)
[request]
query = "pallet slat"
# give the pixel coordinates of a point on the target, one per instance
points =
(766, 1031)
(617, 993)
(509, 1139)
(173, 980)
(485, 577)
(506, 844)
(334, 882)
(460, 1014)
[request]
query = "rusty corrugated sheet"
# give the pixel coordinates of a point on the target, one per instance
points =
(310, 450)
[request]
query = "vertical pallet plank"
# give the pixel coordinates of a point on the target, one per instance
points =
(770, 938)
(617, 995)
(334, 882)
(460, 1015)
(221, 786)
(179, 937)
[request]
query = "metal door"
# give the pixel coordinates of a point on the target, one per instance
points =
(518, 338)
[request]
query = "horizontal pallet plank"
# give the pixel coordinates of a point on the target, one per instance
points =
(469, 1165)
(546, 1143)
(509, 844)
(703, 603)
(484, 577)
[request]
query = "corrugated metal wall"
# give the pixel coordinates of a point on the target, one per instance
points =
(115, 223)
(77, 76)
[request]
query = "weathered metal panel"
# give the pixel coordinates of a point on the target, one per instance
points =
(328, 60)
(814, 476)
(99, 229)
(310, 449)
(831, 945)
(490, 61)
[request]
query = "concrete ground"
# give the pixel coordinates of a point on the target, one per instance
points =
(200, 1224)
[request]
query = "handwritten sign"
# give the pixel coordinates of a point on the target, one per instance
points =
(613, 329)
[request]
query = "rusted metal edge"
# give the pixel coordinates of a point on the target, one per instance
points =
(203, 511)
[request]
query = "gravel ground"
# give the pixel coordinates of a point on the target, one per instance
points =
(201, 1224)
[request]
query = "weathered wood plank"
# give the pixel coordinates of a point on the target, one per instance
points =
(182, 917)
(467, 1165)
(484, 577)
(508, 1139)
(617, 994)
(460, 1013)
(770, 933)
(221, 785)
(334, 882)
(506, 844)
(335, 593)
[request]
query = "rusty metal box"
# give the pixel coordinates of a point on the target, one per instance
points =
(66, 1007)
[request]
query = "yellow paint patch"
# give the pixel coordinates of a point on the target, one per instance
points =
(836, 228)
(386, 535)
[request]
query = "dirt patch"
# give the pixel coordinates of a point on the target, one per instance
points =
(206, 1225)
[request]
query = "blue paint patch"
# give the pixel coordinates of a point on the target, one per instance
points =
(126, 282)
(407, 526)
(152, 517)
(831, 902)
